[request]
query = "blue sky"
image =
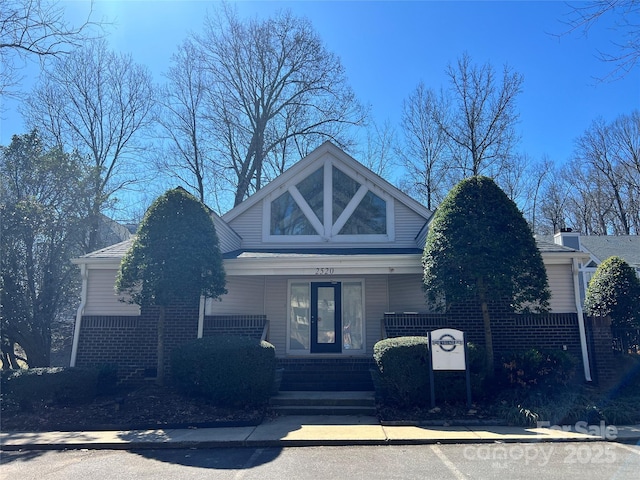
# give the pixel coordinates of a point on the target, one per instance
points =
(388, 47)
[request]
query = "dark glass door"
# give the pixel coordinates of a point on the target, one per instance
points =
(326, 318)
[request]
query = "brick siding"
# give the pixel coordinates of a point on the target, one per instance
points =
(131, 341)
(511, 331)
(244, 325)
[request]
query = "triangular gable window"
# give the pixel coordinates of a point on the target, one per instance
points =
(344, 188)
(287, 218)
(370, 217)
(312, 190)
(329, 203)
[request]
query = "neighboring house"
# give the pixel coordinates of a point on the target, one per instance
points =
(323, 262)
(111, 232)
(599, 248)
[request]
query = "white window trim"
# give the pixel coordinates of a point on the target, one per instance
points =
(309, 281)
(328, 230)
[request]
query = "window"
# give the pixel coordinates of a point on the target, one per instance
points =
(288, 219)
(312, 190)
(370, 217)
(344, 189)
(330, 204)
(299, 316)
(350, 318)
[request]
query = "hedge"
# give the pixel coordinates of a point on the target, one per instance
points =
(228, 370)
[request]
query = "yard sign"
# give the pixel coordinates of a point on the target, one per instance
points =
(448, 352)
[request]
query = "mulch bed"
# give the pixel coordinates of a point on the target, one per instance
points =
(146, 407)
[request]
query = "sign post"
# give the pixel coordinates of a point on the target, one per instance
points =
(448, 352)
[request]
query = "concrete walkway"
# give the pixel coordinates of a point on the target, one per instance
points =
(292, 431)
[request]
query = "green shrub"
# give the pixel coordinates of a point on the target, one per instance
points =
(228, 370)
(107, 382)
(403, 370)
(563, 406)
(59, 385)
(528, 368)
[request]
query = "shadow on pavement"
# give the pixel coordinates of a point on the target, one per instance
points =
(21, 456)
(214, 458)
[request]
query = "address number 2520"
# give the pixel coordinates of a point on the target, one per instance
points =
(324, 271)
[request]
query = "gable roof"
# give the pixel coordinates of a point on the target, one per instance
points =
(546, 245)
(339, 158)
(602, 247)
(228, 239)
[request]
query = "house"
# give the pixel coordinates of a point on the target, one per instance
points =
(599, 248)
(323, 262)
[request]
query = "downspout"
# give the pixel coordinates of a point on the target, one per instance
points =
(83, 302)
(583, 336)
(203, 302)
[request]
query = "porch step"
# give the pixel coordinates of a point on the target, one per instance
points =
(324, 403)
(326, 375)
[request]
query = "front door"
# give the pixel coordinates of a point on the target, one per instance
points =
(326, 318)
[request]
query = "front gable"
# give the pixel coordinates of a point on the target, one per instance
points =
(328, 199)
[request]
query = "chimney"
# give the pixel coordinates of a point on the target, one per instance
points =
(567, 238)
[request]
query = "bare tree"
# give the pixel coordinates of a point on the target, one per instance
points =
(625, 133)
(539, 175)
(605, 151)
(483, 115)
(96, 103)
(274, 92)
(183, 99)
(424, 151)
(379, 148)
(514, 178)
(625, 15)
(34, 29)
(553, 207)
(624, 138)
(597, 192)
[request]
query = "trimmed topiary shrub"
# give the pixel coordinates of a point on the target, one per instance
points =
(402, 377)
(529, 368)
(57, 385)
(228, 370)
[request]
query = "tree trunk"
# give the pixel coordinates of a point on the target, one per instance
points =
(37, 354)
(9, 360)
(488, 338)
(160, 351)
(36, 345)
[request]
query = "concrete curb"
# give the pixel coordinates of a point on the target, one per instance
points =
(299, 432)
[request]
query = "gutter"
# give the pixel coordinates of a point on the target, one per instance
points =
(201, 308)
(583, 336)
(83, 303)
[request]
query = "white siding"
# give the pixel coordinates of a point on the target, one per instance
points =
(376, 303)
(407, 225)
(561, 285)
(268, 295)
(276, 311)
(101, 295)
(245, 297)
(249, 226)
(227, 238)
(256, 296)
(406, 294)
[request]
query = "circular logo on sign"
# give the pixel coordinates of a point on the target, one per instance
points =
(447, 342)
